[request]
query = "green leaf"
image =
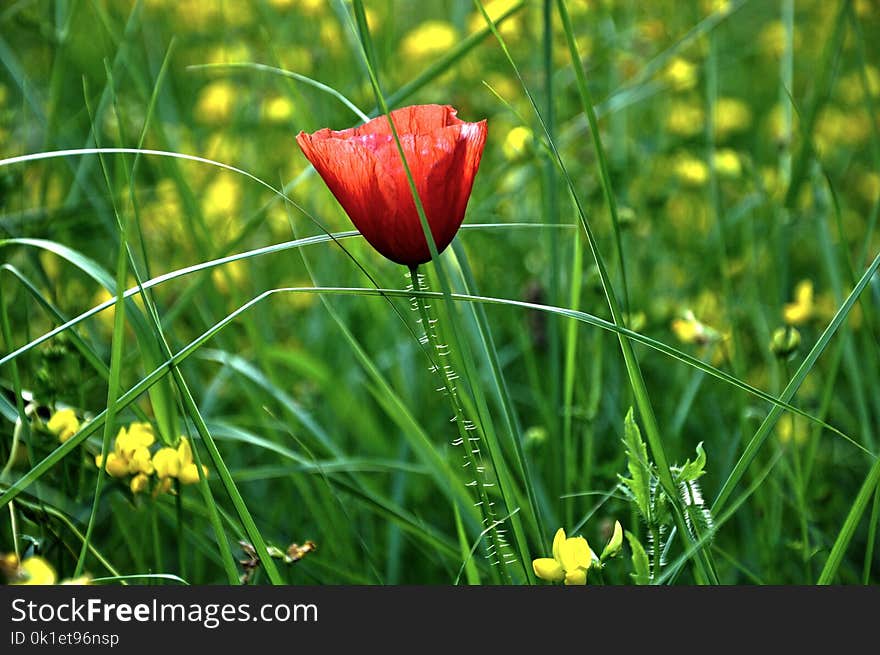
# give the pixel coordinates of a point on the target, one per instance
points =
(639, 482)
(693, 470)
(641, 574)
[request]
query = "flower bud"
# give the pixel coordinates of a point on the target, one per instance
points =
(614, 544)
(785, 342)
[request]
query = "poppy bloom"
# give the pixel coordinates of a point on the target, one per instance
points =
(363, 169)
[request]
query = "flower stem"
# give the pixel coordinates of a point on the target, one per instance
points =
(498, 551)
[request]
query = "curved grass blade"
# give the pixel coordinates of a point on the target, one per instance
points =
(788, 393)
(284, 73)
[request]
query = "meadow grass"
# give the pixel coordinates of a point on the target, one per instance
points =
(661, 309)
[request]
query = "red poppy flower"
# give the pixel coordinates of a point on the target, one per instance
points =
(363, 169)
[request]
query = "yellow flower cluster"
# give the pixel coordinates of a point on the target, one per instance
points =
(63, 424)
(429, 40)
(681, 74)
(131, 456)
(689, 329)
(800, 310)
(573, 558)
(34, 570)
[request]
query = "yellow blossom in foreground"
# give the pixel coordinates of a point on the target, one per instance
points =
(167, 463)
(801, 310)
(178, 463)
(35, 571)
(571, 560)
(63, 424)
(139, 483)
(189, 473)
(130, 452)
(81, 580)
(428, 40)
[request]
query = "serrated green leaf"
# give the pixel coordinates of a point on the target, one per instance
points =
(639, 482)
(698, 517)
(693, 470)
(641, 574)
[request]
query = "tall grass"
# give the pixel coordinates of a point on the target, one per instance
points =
(168, 256)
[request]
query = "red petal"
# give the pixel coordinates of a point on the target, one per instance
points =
(363, 169)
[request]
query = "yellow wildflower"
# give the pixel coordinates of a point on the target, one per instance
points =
(139, 483)
(216, 102)
(691, 171)
(869, 186)
(63, 424)
(35, 571)
(836, 127)
(115, 466)
(278, 109)
(731, 115)
(801, 309)
(517, 143)
(495, 9)
(792, 429)
(81, 580)
(166, 461)
(189, 473)
(428, 40)
(772, 39)
(229, 53)
(688, 329)
(727, 163)
(222, 197)
(163, 486)
(685, 118)
(681, 74)
(130, 452)
(571, 560)
(716, 6)
(139, 433)
(852, 89)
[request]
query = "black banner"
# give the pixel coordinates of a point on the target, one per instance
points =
(462, 618)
